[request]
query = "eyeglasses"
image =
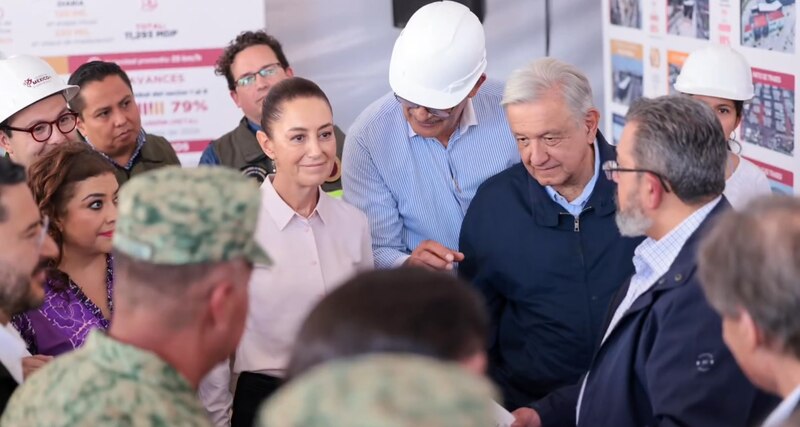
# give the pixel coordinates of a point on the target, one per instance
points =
(42, 131)
(45, 224)
(611, 167)
(442, 114)
(266, 71)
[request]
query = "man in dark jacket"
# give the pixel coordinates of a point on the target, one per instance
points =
(662, 360)
(109, 120)
(749, 266)
(251, 64)
(26, 245)
(539, 238)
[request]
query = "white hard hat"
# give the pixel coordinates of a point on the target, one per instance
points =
(439, 56)
(717, 71)
(26, 79)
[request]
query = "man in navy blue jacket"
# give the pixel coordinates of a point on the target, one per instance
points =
(539, 238)
(662, 360)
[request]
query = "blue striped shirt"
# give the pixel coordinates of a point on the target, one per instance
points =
(413, 188)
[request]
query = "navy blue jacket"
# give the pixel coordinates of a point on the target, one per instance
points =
(665, 363)
(547, 278)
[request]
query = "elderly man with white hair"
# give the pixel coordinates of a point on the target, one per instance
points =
(539, 239)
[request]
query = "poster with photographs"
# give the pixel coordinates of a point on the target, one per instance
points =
(769, 25)
(626, 13)
(763, 31)
(689, 18)
(674, 65)
(769, 117)
(627, 71)
(618, 123)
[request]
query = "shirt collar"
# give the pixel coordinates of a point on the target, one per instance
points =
(784, 410)
(140, 140)
(138, 364)
(468, 119)
(581, 200)
(12, 350)
(660, 254)
(282, 213)
(254, 127)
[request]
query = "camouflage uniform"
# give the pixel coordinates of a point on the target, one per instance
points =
(382, 391)
(170, 216)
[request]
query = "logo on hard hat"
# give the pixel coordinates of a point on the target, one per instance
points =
(36, 81)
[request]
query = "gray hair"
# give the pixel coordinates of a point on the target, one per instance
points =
(681, 139)
(750, 261)
(536, 80)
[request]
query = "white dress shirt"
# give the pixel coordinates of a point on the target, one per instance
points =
(12, 350)
(784, 410)
(311, 257)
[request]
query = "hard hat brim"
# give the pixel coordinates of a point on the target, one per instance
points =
(68, 91)
(715, 92)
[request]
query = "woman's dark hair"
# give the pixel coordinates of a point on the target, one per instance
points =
(53, 176)
(405, 310)
(734, 145)
(284, 91)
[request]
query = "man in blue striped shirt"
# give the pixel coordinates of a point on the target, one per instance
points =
(414, 159)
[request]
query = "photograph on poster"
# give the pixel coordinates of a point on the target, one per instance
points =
(688, 18)
(675, 62)
(781, 181)
(769, 117)
(626, 13)
(617, 123)
(627, 71)
(769, 24)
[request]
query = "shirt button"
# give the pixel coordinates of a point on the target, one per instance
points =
(594, 297)
(313, 262)
(678, 277)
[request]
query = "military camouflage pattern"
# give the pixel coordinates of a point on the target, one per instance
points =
(382, 391)
(105, 383)
(174, 216)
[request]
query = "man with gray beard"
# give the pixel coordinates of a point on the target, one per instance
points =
(662, 360)
(25, 247)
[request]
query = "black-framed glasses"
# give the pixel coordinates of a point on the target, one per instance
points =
(442, 114)
(611, 167)
(265, 71)
(42, 131)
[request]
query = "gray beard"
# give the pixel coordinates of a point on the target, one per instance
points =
(633, 222)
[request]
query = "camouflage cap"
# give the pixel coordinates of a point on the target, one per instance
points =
(386, 390)
(174, 216)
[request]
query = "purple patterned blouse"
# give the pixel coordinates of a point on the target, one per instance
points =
(65, 318)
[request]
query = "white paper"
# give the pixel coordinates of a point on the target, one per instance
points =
(502, 417)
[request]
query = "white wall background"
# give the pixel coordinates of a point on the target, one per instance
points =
(345, 45)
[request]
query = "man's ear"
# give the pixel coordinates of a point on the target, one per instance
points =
(592, 122)
(477, 86)
(5, 143)
(235, 98)
(219, 302)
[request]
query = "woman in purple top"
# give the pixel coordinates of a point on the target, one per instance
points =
(74, 186)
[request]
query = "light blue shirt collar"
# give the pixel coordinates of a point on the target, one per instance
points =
(576, 206)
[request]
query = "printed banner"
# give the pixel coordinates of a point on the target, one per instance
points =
(168, 53)
(764, 31)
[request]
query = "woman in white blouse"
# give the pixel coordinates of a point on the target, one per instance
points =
(721, 77)
(316, 242)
